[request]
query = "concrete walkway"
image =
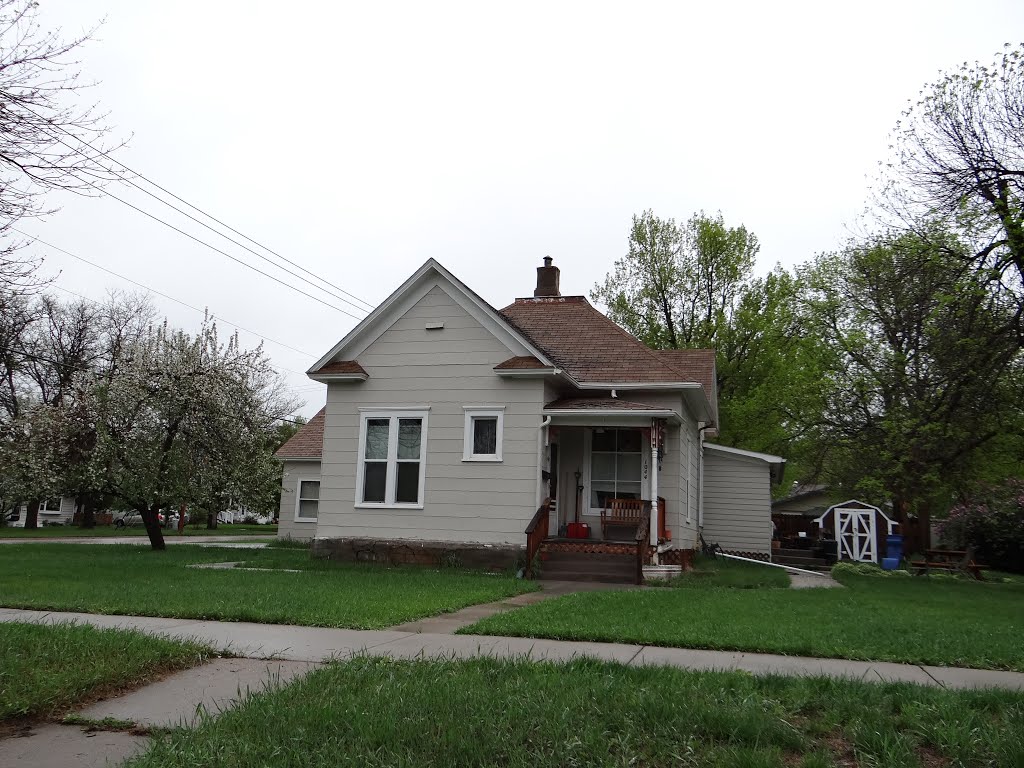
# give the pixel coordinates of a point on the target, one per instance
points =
(449, 623)
(317, 644)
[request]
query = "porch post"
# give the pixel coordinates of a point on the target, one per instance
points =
(654, 487)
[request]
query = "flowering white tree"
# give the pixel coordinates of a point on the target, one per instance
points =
(186, 420)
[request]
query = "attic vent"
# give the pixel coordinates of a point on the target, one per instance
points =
(434, 326)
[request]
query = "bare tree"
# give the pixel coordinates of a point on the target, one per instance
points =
(958, 156)
(47, 140)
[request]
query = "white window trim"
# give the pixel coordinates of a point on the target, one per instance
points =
(488, 412)
(404, 412)
(298, 499)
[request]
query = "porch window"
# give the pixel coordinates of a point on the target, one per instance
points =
(392, 448)
(483, 433)
(307, 505)
(615, 465)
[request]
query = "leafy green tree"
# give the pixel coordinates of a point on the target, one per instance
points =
(678, 284)
(927, 373)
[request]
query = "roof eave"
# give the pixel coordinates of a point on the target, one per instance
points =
(326, 378)
(591, 413)
(515, 372)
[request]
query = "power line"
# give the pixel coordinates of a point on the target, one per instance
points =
(107, 155)
(154, 290)
(244, 263)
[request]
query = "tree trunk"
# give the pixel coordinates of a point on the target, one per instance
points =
(211, 521)
(32, 514)
(153, 530)
(88, 513)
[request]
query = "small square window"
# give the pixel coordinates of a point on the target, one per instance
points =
(484, 426)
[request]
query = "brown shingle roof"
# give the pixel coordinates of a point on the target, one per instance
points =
(695, 365)
(308, 442)
(342, 366)
(598, 404)
(519, 363)
(585, 343)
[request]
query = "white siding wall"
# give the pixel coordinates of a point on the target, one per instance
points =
(288, 527)
(445, 370)
(737, 503)
(684, 532)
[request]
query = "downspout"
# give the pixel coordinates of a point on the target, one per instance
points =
(541, 443)
(700, 478)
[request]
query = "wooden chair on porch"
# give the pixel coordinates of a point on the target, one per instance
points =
(621, 512)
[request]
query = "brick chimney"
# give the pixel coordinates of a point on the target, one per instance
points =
(547, 279)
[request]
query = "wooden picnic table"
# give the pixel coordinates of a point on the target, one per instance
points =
(961, 560)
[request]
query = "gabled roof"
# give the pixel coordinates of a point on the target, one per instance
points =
(586, 344)
(522, 363)
(428, 276)
(308, 442)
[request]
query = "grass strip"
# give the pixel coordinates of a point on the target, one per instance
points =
(948, 622)
(484, 712)
(131, 580)
(46, 668)
(109, 531)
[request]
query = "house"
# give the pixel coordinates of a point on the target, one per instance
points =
(795, 513)
(56, 511)
(452, 427)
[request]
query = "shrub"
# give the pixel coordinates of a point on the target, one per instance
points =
(863, 569)
(993, 524)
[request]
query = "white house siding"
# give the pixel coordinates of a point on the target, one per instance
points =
(65, 515)
(737, 503)
(684, 531)
(288, 527)
(444, 370)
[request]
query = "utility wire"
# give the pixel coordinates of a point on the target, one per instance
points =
(244, 263)
(107, 155)
(154, 290)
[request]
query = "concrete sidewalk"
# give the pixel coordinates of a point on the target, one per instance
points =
(316, 644)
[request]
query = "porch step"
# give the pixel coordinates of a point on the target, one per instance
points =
(579, 566)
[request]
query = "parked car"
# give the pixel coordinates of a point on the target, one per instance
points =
(131, 519)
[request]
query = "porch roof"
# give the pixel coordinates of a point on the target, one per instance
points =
(579, 410)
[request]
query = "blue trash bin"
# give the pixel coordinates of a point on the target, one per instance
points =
(894, 547)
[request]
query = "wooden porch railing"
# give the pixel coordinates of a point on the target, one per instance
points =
(536, 532)
(643, 536)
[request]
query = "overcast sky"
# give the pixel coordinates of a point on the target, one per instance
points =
(359, 139)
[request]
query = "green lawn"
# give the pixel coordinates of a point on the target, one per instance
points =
(948, 622)
(485, 712)
(126, 579)
(720, 572)
(46, 669)
(107, 531)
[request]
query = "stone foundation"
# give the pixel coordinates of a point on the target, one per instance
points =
(436, 554)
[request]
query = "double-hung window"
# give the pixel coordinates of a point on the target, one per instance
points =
(392, 453)
(307, 503)
(483, 433)
(615, 465)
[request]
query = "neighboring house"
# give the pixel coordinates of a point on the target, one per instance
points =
(449, 423)
(795, 513)
(56, 511)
